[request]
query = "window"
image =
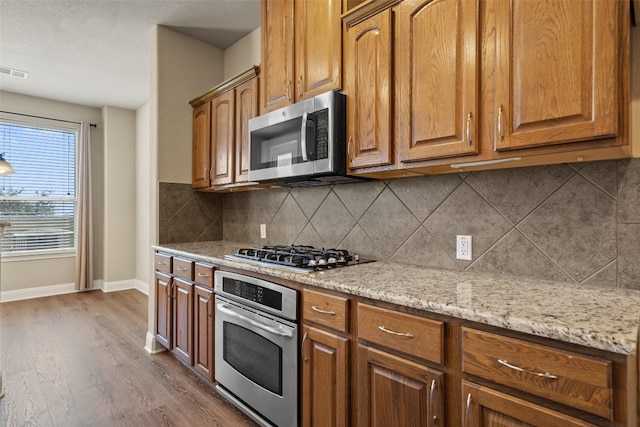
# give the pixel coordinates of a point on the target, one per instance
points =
(40, 198)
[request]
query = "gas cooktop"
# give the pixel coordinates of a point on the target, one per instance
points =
(297, 258)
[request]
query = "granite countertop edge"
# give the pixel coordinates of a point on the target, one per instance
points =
(591, 316)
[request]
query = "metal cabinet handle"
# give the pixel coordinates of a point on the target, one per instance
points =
(202, 275)
(289, 90)
(350, 148)
(500, 132)
(304, 338)
(208, 305)
(303, 136)
(161, 263)
(319, 310)
(526, 371)
(467, 410)
(401, 334)
(182, 269)
(300, 87)
(469, 129)
(431, 404)
(280, 330)
(169, 290)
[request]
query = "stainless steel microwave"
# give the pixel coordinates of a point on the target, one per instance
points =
(301, 144)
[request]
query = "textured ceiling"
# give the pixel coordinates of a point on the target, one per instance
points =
(96, 52)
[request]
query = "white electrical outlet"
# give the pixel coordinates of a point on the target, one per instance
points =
(263, 231)
(463, 247)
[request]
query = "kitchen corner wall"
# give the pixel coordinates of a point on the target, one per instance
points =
(574, 223)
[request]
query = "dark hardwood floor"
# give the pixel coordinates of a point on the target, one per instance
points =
(79, 360)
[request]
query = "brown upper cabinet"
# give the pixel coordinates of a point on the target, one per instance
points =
(556, 72)
(201, 154)
(221, 133)
(485, 84)
(301, 50)
(437, 78)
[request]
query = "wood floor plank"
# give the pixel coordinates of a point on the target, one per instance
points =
(79, 360)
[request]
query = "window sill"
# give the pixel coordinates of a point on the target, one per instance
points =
(37, 255)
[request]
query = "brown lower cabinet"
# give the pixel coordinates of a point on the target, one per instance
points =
(370, 363)
(396, 392)
(486, 407)
(203, 325)
(325, 384)
(185, 311)
(183, 320)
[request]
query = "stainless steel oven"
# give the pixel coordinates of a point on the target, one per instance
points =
(256, 341)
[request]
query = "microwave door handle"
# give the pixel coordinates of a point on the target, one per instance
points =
(303, 137)
(224, 308)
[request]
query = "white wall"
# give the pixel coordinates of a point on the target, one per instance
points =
(24, 277)
(184, 69)
(244, 54)
(181, 69)
(143, 204)
(119, 197)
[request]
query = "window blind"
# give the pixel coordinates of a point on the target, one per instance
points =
(40, 198)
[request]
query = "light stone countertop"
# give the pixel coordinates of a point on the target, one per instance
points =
(602, 318)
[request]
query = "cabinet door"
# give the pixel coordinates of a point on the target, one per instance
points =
(485, 407)
(163, 309)
(222, 138)
(183, 320)
(318, 47)
(203, 332)
(201, 146)
(437, 78)
(556, 73)
(368, 62)
(277, 87)
(324, 379)
(246, 108)
(396, 392)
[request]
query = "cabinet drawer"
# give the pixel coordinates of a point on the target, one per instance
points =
(204, 274)
(163, 263)
(569, 378)
(183, 268)
(328, 310)
(409, 334)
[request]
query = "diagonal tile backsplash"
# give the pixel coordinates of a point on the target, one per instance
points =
(575, 223)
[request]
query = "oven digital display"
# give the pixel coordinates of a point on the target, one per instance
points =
(251, 292)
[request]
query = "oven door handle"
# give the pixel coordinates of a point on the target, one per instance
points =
(224, 308)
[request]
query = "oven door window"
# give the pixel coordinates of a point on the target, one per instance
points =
(253, 356)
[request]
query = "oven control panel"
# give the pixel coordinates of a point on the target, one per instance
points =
(260, 294)
(252, 292)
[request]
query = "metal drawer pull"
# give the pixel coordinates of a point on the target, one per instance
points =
(202, 275)
(319, 310)
(526, 371)
(161, 263)
(468, 409)
(182, 269)
(401, 334)
(469, 142)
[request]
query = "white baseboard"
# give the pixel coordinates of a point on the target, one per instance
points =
(142, 286)
(38, 292)
(152, 346)
(120, 285)
(69, 288)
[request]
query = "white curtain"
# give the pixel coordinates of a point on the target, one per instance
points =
(84, 256)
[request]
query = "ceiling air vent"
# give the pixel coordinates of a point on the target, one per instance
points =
(15, 73)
